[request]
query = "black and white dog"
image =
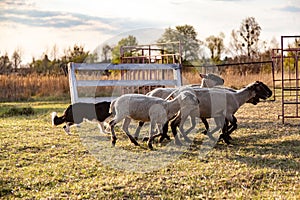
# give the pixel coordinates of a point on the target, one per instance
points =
(76, 113)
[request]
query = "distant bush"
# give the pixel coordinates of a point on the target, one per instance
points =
(16, 111)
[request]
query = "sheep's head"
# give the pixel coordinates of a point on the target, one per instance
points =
(261, 90)
(211, 80)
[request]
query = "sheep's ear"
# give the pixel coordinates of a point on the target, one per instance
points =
(202, 75)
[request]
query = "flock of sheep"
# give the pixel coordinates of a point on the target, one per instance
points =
(175, 105)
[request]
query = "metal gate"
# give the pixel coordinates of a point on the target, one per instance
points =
(287, 60)
(142, 68)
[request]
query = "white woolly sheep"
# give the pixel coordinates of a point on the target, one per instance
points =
(222, 104)
(208, 80)
(146, 108)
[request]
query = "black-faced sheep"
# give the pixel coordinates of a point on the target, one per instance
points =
(146, 108)
(222, 104)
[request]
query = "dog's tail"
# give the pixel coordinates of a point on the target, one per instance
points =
(57, 120)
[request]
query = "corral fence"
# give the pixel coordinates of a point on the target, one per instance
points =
(287, 59)
(143, 68)
(90, 83)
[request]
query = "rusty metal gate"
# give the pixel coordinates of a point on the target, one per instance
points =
(287, 60)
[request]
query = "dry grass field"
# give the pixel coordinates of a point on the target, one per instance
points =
(38, 161)
(23, 88)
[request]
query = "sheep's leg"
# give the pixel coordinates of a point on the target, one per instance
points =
(205, 124)
(164, 133)
(160, 132)
(183, 119)
(151, 133)
(232, 127)
(138, 129)
(125, 126)
(224, 134)
(112, 124)
(174, 125)
(193, 125)
(219, 124)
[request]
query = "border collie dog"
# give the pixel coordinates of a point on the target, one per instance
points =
(76, 113)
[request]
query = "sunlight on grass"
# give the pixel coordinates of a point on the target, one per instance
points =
(40, 161)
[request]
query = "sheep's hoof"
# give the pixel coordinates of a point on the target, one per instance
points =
(135, 143)
(113, 141)
(225, 138)
(150, 145)
(204, 132)
(164, 136)
(145, 139)
(167, 137)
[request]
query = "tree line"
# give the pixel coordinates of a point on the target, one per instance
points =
(245, 45)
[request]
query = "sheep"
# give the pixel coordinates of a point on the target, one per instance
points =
(226, 127)
(222, 104)
(208, 80)
(146, 108)
(76, 113)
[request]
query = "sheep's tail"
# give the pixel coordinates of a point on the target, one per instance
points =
(57, 120)
(112, 109)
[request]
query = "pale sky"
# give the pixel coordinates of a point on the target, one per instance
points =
(35, 26)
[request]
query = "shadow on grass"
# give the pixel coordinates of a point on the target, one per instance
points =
(268, 150)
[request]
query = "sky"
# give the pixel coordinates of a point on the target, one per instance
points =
(34, 27)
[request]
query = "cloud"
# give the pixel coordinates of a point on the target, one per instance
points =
(229, 0)
(55, 19)
(292, 9)
(180, 2)
(15, 3)
(25, 13)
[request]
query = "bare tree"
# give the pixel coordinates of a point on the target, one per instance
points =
(249, 33)
(16, 58)
(54, 52)
(245, 41)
